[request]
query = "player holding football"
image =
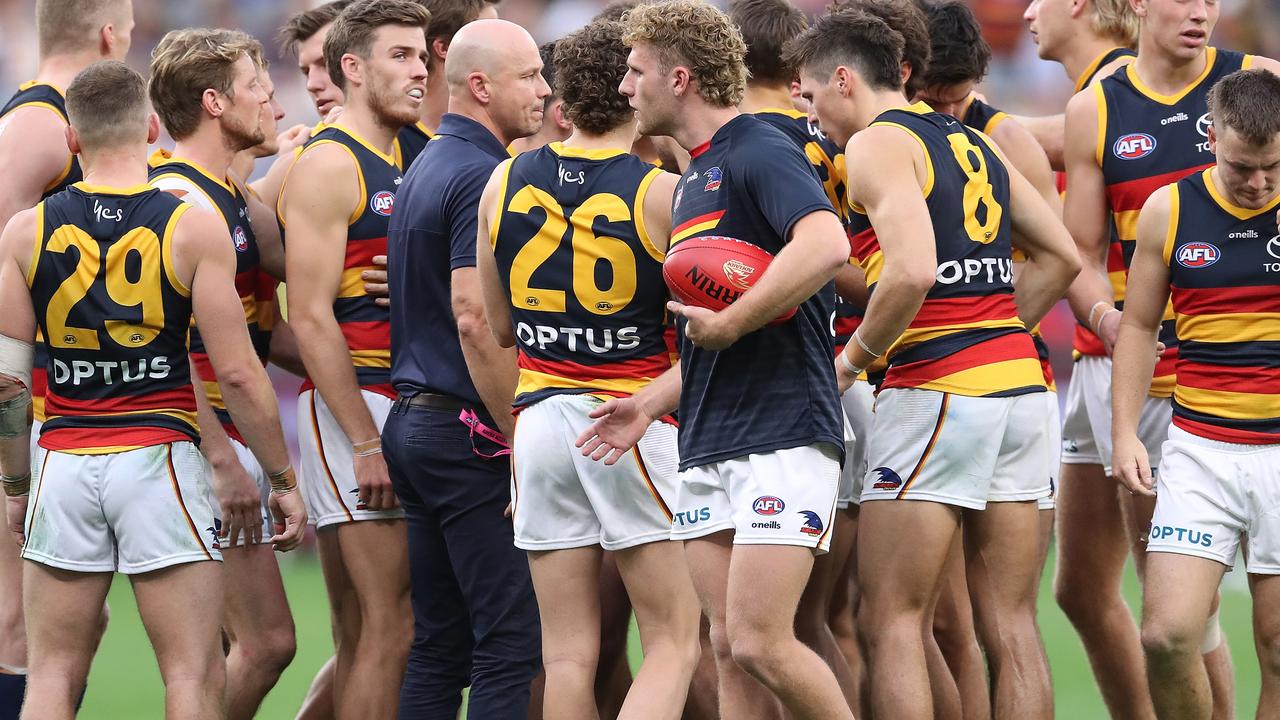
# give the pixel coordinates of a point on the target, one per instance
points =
(961, 364)
(747, 180)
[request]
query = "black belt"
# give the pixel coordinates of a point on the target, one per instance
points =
(436, 401)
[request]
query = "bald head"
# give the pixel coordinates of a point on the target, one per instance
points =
(491, 47)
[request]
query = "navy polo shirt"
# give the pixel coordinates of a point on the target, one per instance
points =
(433, 233)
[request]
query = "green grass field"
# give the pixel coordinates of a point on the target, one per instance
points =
(126, 684)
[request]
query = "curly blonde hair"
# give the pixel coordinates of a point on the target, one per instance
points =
(1116, 20)
(693, 34)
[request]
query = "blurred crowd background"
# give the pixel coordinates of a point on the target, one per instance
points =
(1018, 82)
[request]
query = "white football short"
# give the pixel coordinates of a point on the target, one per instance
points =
(328, 476)
(956, 450)
(1210, 493)
(565, 500)
(1086, 427)
(859, 403)
(1053, 449)
(783, 497)
(132, 512)
(250, 463)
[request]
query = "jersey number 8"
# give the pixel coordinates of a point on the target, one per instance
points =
(977, 190)
(589, 249)
(143, 291)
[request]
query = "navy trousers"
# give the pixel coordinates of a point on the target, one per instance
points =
(475, 615)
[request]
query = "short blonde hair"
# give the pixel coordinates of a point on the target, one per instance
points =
(188, 62)
(107, 106)
(1114, 19)
(695, 35)
(73, 25)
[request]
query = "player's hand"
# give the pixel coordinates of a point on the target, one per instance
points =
(374, 482)
(375, 281)
(289, 517)
(844, 378)
(293, 138)
(241, 502)
(1132, 467)
(332, 116)
(16, 513)
(705, 328)
(619, 425)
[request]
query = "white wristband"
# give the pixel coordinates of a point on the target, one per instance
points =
(848, 365)
(858, 339)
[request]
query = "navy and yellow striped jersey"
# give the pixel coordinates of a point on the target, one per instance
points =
(967, 338)
(827, 157)
(984, 118)
(588, 302)
(365, 325)
(194, 185)
(1104, 59)
(1147, 140)
(774, 388)
(38, 94)
(412, 140)
(116, 317)
(1224, 281)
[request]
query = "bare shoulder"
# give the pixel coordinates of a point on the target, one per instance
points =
(19, 237)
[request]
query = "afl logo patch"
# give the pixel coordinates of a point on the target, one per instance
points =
(1198, 255)
(382, 202)
(240, 239)
(768, 505)
(1134, 146)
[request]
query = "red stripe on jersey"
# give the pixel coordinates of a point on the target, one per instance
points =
(247, 283)
(1222, 300)
(649, 367)
(697, 221)
(1228, 378)
(1000, 349)
(72, 438)
(367, 335)
(1132, 194)
(965, 310)
(360, 252)
(863, 244)
(181, 398)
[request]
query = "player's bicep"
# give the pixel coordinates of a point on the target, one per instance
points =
(496, 301)
(1147, 292)
(318, 201)
(201, 241)
(17, 241)
(1085, 206)
(657, 209)
(784, 183)
(892, 196)
(1025, 155)
(33, 153)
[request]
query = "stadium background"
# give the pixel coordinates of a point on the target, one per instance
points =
(125, 682)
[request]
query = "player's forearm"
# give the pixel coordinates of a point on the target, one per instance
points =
(1050, 132)
(214, 443)
(327, 360)
(851, 284)
(1132, 365)
(661, 396)
(255, 410)
(268, 186)
(284, 351)
(1041, 284)
(803, 267)
(493, 369)
(893, 306)
(15, 452)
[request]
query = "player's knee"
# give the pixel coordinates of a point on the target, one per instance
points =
(1082, 607)
(1269, 652)
(270, 651)
(719, 637)
(1164, 641)
(754, 649)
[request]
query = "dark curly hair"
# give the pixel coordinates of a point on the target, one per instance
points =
(959, 54)
(906, 17)
(589, 66)
(854, 39)
(767, 26)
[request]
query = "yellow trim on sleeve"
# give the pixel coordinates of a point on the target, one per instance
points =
(1101, 147)
(1171, 234)
(928, 159)
(638, 212)
(35, 252)
(498, 209)
(166, 250)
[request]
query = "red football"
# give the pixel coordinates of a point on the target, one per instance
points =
(714, 271)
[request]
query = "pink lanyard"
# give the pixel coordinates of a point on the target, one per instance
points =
(471, 420)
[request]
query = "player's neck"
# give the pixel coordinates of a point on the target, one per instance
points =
(1078, 59)
(875, 102)
(60, 70)
(620, 138)
(206, 150)
(464, 105)
(1225, 193)
(701, 124)
(1166, 74)
(436, 102)
(765, 97)
(122, 167)
(360, 119)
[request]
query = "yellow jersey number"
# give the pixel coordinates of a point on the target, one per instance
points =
(144, 290)
(589, 249)
(831, 172)
(977, 190)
